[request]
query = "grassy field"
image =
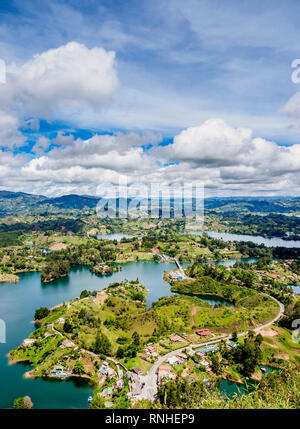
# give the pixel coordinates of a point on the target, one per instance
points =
(281, 346)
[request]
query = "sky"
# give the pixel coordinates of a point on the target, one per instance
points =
(158, 91)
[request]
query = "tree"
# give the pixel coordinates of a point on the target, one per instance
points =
(102, 344)
(120, 353)
(79, 367)
(248, 354)
(84, 294)
(41, 312)
(216, 365)
(136, 339)
(234, 337)
(98, 402)
(68, 327)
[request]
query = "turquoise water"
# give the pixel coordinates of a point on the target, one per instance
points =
(268, 242)
(269, 369)
(231, 389)
(18, 301)
(215, 300)
(296, 289)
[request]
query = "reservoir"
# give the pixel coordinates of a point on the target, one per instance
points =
(18, 302)
(268, 242)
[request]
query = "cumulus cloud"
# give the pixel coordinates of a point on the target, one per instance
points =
(211, 144)
(56, 84)
(10, 136)
(67, 78)
(225, 159)
(230, 158)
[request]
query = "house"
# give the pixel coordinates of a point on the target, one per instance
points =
(204, 363)
(58, 369)
(184, 373)
(120, 384)
(182, 356)
(150, 350)
(144, 356)
(207, 349)
(173, 275)
(60, 320)
(28, 342)
(174, 360)
(104, 368)
(108, 392)
(137, 370)
(66, 343)
(203, 332)
(111, 373)
(120, 373)
(163, 371)
(176, 338)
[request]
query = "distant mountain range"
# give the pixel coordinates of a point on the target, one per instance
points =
(16, 203)
(19, 202)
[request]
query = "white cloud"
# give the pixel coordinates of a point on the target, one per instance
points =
(62, 80)
(57, 84)
(9, 133)
(230, 158)
(225, 159)
(292, 106)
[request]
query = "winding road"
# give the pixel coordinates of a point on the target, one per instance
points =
(150, 379)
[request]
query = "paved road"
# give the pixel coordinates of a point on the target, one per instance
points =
(150, 380)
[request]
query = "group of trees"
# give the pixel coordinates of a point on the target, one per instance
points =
(247, 355)
(54, 270)
(175, 394)
(129, 350)
(102, 345)
(41, 312)
(58, 263)
(291, 314)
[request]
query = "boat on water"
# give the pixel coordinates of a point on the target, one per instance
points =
(90, 398)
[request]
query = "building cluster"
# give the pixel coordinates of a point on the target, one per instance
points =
(66, 343)
(109, 372)
(175, 275)
(150, 353)
(176, 338)
(28, 342)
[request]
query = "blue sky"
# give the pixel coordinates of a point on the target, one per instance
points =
(166, 66)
